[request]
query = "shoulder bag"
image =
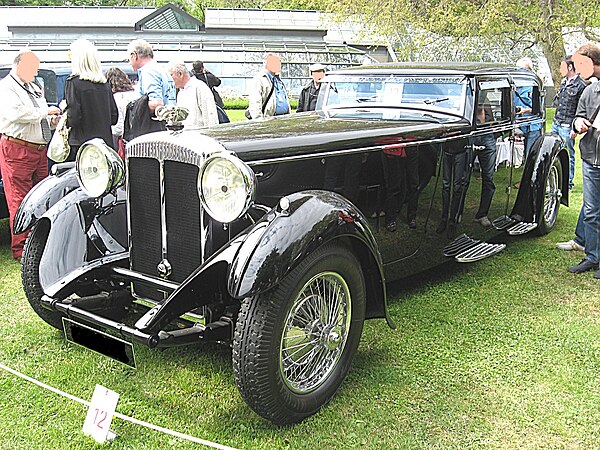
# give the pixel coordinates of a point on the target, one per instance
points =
(58, 148)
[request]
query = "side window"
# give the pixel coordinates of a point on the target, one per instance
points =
(493, 102)
(527, 96)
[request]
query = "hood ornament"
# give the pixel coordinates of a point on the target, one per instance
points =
(173, 116)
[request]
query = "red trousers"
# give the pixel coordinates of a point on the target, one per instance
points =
(22, 168)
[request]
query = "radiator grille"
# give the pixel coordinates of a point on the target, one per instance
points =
(182, 213)
(144, 220)
(183, 218)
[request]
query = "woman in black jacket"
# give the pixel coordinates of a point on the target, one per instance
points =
(91, 107)
(210, 79)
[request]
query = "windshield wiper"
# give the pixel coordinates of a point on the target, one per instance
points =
(435, 100)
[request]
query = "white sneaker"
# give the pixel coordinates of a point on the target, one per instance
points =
(570, 246)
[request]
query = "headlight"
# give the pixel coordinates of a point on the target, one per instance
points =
(226, 187)
(99, 168)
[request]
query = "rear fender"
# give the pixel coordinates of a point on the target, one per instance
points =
(529, 204)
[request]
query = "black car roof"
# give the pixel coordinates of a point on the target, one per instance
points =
(447, 68)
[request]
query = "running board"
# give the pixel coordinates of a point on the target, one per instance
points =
(503, 222)
(480, 251)
(465, 249)
(459, 245)
(521, 228)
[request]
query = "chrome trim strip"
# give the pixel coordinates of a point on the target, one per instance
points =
(163, 209)
(128, 206)
(136, 276)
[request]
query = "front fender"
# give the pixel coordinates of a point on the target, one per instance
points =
(285, 236)
(257, 259)
(84, 233)
(43, 196)
(529, 204)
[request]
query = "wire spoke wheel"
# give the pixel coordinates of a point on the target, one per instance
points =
(315, 332)
(293, 345)
(552, 195)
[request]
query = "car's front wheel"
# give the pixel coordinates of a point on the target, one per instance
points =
(293, 346)
(30, 272)
(552, 197)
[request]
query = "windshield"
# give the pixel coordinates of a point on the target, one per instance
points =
(394, 97)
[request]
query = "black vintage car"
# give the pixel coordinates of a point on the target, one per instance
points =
(276, 236)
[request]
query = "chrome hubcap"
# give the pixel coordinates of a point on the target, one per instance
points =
(315, 332)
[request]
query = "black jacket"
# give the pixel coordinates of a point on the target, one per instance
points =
(91, 110)
(212, 81)
(589, 145)
(566, 99)
(139, 120)
(308, 97)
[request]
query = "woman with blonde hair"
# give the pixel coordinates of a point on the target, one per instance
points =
(91, 107)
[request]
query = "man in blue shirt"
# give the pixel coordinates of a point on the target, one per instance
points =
(524, 105)
(153, 80)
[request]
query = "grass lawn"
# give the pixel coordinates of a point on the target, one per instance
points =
(236, 115)
(504, 353)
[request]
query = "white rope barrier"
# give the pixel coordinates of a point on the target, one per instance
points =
(116, 414)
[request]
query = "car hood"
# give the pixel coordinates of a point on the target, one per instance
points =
(300, 134)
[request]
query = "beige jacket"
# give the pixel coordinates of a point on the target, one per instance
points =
(260, 86)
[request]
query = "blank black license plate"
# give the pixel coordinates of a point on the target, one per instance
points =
(99, 342)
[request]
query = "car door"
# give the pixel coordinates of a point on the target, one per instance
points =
(492, 157)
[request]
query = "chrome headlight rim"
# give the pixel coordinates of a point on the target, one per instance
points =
(249, 179)
(115, 168)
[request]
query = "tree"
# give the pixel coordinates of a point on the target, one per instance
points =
(522, 23)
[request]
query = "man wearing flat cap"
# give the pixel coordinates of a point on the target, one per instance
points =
(310, 92)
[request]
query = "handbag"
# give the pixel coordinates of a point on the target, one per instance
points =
(58, 148)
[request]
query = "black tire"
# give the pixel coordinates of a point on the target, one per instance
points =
(552, 197)
(30, 273)
(281, 388)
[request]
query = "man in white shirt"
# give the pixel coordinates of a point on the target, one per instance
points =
(25, 121)
(194, 95)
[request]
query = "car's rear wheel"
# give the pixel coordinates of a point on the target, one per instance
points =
(552, 197)
(293, 346)
(30, 272)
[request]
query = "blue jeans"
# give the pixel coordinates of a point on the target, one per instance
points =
(580, 229)
(564, 131)
(591, 213)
